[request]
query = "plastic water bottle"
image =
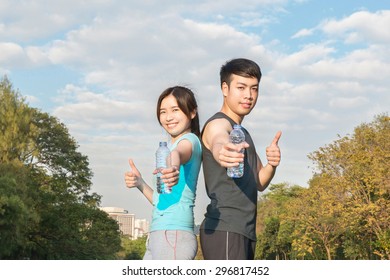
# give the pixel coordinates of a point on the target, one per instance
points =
(162, 161)
(237, 136)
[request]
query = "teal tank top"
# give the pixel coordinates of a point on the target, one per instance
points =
(174, 211)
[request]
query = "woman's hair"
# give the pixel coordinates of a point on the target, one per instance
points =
(187, 103)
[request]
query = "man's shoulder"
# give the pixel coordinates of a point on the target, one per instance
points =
(219, 117)
(218, 122)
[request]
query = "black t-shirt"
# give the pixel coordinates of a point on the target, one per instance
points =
(233, 205)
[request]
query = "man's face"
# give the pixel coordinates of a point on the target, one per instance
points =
(241, 95)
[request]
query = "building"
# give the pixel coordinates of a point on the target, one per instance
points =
(125, 220)
(128, 224)
(141, 228)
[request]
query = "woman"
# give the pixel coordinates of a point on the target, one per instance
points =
(172, 229)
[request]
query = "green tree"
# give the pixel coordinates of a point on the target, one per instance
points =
(273, 230)
(17, 132)
(17, 211)
(54, 212)
(89, 234)
(132, 249)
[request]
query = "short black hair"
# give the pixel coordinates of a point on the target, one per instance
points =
(241, 67)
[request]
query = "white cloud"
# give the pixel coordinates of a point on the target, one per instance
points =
(308, 55)
(10, 53)
(15, 56)
(343, 102)
(84, 106)
(303, 33)
(24, 21)
(361, 26)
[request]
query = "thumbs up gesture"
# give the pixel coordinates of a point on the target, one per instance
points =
(133, 177)
(273, 151)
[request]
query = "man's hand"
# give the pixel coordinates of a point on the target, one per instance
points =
(230, 154)
(273, 151)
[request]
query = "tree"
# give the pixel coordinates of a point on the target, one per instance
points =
(17, 212)
(357, 168)
(316, 214)
(132, 249)
(17, 132)
(55, 214)
(345, 211)
(76, 231)
(274, 231)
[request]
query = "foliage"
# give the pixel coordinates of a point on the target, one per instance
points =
(317, 218)
(274, 232)
(46, 208)
(17, 211)
(358, 168)
(17, 132)
(345, 211)
(132, 249)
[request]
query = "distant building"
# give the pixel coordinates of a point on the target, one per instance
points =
(141, 228)
(125, 220)
(128, 224)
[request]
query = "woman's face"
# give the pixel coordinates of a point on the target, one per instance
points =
(173, 119)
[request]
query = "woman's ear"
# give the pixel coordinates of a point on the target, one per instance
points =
(193, 114)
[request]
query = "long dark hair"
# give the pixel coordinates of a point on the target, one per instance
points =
(187, 103)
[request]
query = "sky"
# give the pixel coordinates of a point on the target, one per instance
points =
(100, 65)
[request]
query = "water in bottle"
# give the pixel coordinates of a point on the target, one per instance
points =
(162, 161)
(237, 136)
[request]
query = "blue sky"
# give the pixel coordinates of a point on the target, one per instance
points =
(100, 65)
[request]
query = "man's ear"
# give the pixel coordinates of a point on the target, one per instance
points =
(225, 88)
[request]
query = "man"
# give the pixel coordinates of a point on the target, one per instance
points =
(229, 228)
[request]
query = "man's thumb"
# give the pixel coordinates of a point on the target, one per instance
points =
(132, 165)
(277, 137)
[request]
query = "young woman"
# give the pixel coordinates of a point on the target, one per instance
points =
(172, 229)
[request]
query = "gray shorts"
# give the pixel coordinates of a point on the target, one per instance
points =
(171, 245)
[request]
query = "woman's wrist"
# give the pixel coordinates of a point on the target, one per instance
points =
(176, 167)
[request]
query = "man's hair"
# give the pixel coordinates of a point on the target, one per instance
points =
(241, 67)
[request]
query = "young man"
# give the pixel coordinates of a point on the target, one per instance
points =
(229, 228)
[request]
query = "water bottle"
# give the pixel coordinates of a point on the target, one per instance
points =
(236, 136)
(162, 161)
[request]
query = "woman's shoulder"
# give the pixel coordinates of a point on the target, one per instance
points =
(190, 136)
(193, 139)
